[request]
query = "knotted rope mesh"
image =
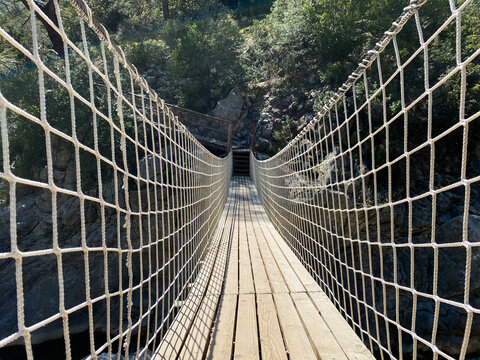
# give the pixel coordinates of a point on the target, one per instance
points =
(107, 230)
(378, 196)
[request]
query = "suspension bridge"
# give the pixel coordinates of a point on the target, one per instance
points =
(315, 254)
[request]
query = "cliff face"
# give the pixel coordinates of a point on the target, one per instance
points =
(276, 115)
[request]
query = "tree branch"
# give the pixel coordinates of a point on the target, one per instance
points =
(49, 10)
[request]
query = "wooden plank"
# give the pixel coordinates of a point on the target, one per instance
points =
(260, 279)
(304, 276)
(245, 265)
(324, 342)
(218, 274)
(257, 256)
(302, 273)
(288, 274)
(296, 339)
(270, 335)
(275, 278)
(231, 279)
(221, 345)
(262, 285)
(274, 275)
(197, 338)
(351, 344)
(246, 339)
(172, 342)
(231, 282)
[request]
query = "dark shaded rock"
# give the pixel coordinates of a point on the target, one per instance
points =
(40, 273)
(132, 356)
(263, 145)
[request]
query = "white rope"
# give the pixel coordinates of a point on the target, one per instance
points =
(167, 198)
(316, 214)
(344, 225)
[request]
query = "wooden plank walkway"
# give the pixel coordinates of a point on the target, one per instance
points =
(254, 299)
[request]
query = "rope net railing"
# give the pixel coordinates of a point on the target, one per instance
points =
(108, 204)
(378, 196)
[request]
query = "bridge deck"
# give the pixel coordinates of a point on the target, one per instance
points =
(254, 299)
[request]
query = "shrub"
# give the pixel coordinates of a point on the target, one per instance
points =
(205, 57)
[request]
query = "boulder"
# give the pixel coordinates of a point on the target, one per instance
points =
(230, 108)
(453, 259)
(154, 172)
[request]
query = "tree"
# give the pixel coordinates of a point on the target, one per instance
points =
(166, 10)
(48, 8)
(205, 57)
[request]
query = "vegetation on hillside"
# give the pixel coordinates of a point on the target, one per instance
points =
(194, 54)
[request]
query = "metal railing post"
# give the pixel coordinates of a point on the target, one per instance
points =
(252, 142)
(229, 139)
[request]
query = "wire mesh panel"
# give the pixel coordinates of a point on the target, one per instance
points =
(208, 129)
(379, 195)
(108, 203)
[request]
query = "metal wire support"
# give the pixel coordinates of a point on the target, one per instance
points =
(212, 131)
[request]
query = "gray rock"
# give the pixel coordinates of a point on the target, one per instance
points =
(306, 118)
(61, 158)
(153, 165)
(452, 230)
(453, 259)
(151, 79)
(267, 130)
(70, 178)
(58, 176)
(301, 125)
(265, 118)
(230, 108)
(239, 126)
(292, 107)
(309, 104)
(312, 80)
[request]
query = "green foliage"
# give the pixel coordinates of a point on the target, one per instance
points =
(202, 53)
(147, 52)
(283, 135)
(317, 44)
(143, 19)
(8, 62)
(196, 9)
(205, 60)
(128, 18)
(248, 11)
(321, 41)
